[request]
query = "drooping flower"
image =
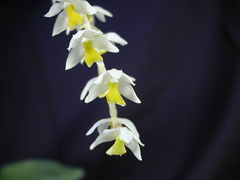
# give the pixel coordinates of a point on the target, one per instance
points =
(112, 84)
(123, 136)
(87, 45)
(70, 14)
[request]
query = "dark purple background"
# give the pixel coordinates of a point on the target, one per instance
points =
(185, 56)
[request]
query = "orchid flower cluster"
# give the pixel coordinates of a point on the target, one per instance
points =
(88, 45)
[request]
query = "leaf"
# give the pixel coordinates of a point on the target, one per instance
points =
(34, 169)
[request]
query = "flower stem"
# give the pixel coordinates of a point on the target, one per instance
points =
(101, 68)
(86, 22)
(113, 113)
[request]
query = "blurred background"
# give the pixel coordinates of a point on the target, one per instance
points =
(185, 56)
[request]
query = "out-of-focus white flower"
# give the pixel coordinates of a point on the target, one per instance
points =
(87, 45)
(128, 136)
(70, 14)
(112, 84)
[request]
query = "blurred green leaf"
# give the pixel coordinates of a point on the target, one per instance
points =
(40, 170)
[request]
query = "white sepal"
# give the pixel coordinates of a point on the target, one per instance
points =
(100, 42)
(95, 91)
(83, 7)
(87, 87)
(97, 124)
(61, 23)
(106, 136)
(129, 125)
(127, 91)
(74, 57)
(115, 38)
(54, 10)
(101, 13)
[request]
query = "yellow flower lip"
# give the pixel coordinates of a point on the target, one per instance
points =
(118, 148)
(91, 54)
(113, 95)
(74, 19)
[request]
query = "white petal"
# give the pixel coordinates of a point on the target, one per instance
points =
(103, 11)
(132, 78)
(98, 123)
(83, 7)
(100, 14)
(103, 126)
(114, 37)
(101, 43)
(90, 33)
(116, 74)
(129, 124)
(134, 147)
(95, 91)
(74, 57)
(127, 79)
(125, 135)
(87, 87)
(54, 10)
(61, 23)
(138, 140)
(106, 136)
(127, 91)
(103, 78)
(76, 39)
(99, 78)
(79, 34)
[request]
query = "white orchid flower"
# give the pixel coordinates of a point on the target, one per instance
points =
(70, 14)
(101, 13)
(87, 45)
(112, 84)
(122, 135)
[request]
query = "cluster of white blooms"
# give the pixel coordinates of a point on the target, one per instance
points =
(88, 45)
